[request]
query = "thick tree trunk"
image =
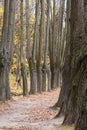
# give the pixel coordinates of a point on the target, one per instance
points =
(7, 49)
(33, 77)
(2, 82)
(49, 79)
(3, 48)
(77, 99)
(82, 120)
(39, 79)
(63, 97)
(54, 78)
(24, 79)
(78, 55)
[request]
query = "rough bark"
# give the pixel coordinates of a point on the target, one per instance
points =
(82, 120)
(3, 48)
(63, 97)
(6, 53)
(33, 77)
(78, 55)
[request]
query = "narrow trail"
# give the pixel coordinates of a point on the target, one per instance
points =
(31, 113)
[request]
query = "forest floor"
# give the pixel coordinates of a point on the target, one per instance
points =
(31, 113)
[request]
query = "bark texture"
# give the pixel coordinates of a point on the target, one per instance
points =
(6, 51)
(66, 71)
(78, 54)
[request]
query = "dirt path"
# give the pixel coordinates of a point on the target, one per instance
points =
(31, 113)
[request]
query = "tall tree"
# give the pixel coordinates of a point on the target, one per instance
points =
(53, 49)
(55, 46)
(45, 42)
(6, 48)
(46, 52)
(76, 111)
(31, 55)
(39, 53)
(63, 98)
(22, 51)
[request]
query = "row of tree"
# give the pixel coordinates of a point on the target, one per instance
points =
(33, 32)
(55, 48)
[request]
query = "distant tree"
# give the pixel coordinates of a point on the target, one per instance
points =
(23, 50)
(45, 68)
(56, 43)
(31, 49)
(40, 44)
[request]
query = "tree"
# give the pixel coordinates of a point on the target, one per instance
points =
(52, 48)
(31, 50)
(39, 47)
(63, 97)
(56, 43)
(6, 49)
(76, 110)
(45, 42)
(46, 51)
(22, 51)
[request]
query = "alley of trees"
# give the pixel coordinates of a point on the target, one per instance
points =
(43, 46)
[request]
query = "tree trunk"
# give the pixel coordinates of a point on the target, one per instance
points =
(24, 78)
(6, 53)
(33, 77)
(78, 56)
(31, 56)
(39, 58)
(82, 120)
(49, 79)
(53, 78)
(44, 78)
(46, 40)
(63, 97)
(22, 54)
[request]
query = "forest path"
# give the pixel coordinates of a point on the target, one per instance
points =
(31, 113)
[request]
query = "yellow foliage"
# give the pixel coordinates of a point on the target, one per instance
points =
(67, 127)
(1, 11)
(13, 67)
(14, 60)
(16, 39)
(26, 63)
(15, 55)
(1, 19)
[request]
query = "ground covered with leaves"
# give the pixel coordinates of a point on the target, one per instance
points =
(31, 113)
